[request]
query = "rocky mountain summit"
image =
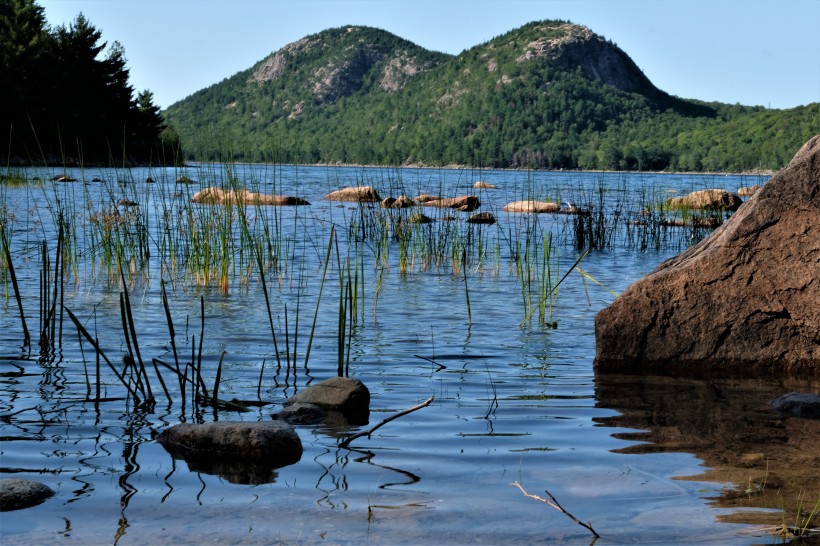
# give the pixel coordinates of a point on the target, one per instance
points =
(340, 62)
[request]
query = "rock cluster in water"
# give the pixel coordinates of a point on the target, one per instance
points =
(745, 299)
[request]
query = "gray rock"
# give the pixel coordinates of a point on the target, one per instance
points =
(797, 404)
(745, 300)
(16, 494)
(272, 443)
(482, 218)
(301, 414)
(343, 394)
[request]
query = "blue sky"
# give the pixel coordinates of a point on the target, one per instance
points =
(752, 52)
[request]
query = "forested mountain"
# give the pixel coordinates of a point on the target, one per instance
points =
(550, 94)
(65, 97)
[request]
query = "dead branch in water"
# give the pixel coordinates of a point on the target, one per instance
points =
(554, 503)
(346, 442)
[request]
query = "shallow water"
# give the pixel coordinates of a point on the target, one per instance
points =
(516, 400)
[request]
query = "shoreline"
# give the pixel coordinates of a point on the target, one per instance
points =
(72, 165)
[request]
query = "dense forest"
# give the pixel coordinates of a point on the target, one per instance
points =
(66, 98)
(550, 94)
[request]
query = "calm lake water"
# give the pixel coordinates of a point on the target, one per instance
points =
(455, 310)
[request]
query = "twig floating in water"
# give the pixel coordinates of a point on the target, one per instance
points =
(554, 503)
(346, 442)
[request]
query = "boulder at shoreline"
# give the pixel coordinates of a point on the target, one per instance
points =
(744, 300)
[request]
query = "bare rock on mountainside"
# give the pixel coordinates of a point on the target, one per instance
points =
(745, 299)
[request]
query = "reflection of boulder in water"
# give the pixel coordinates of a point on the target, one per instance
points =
(729, 424)
(241, 452)
(238, 472)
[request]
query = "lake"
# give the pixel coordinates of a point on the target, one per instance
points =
(495, 321)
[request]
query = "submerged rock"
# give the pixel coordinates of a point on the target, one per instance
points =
(16, 494)
(481, 185)
(360, 194)
(419, 219)
(301, 414)
(796, 404)
(342, 394)
(482, 218)
(531, 207)
(745, 299)
(707, 200)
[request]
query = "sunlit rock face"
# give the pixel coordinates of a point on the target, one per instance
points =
(745, 299)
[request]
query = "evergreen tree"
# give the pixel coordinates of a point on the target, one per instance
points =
(68, 98)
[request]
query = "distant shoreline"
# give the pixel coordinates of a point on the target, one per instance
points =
(74, 165)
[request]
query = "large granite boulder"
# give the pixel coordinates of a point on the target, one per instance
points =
(745, 299)
(16, 494)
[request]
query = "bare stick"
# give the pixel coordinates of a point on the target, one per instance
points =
(554, 503)
(346, 442)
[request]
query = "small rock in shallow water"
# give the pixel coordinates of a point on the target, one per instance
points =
(273, 442)
(797, 404)
(343, 394)
(16, 494)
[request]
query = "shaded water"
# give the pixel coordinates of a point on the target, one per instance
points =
(516, 399)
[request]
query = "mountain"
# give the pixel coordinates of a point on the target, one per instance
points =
(550, 94)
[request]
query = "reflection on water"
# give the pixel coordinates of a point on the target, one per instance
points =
(767, 461)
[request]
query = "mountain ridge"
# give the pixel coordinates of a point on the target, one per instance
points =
(550, 94)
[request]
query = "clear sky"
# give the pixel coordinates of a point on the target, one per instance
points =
(753, 52)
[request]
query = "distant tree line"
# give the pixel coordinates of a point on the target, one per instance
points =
(66, 99)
